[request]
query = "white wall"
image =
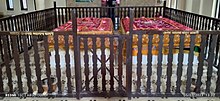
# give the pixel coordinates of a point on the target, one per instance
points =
(17, 7)
(207, 7)
(189, 5)
(40, 4)
(49, 3)
(61, 3)
(196, 6)
(203, 7)
(181, 4)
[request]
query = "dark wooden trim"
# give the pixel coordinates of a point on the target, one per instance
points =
(129, 57)
(76, 57)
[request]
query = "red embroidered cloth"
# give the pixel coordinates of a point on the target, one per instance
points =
(85, 26)
(153, 24)
(89, 26)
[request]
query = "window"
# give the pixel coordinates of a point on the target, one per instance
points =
(10, 4)
(24, 5)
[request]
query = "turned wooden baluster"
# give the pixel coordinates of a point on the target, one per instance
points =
(169, 64)
(190, 63)
(180, 64)
(159, 64)
(57, 61)
(139, 60)
(86, 61)
(201, 63)
(149, 63)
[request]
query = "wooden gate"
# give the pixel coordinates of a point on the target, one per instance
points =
(100, 69)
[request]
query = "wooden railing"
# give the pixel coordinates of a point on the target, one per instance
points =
(104, 74)
(33, 21)
(116, 13)
(20, 34)
(91, 71)
(197, 22)
(192, 20)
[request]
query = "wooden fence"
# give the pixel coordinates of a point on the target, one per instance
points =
(21, 34)
(87, 75)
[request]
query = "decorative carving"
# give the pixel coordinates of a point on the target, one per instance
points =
(31, 33)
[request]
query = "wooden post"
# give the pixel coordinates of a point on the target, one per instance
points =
(55, 13)
(129, 56)
(35, 6)
(201, 62)
(164, 7)
(210, 61)
(76, 56)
